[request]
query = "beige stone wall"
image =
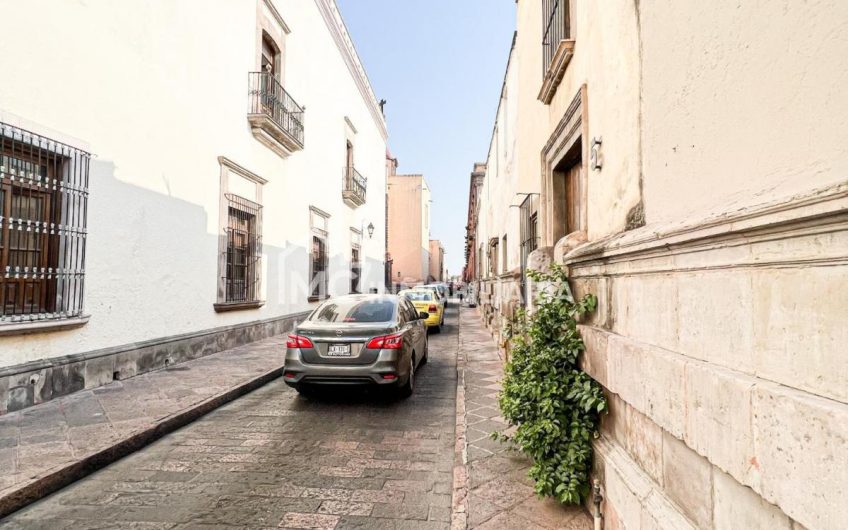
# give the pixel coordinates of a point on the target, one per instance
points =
(720, 330)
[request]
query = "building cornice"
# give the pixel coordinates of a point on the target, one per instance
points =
(333, 18)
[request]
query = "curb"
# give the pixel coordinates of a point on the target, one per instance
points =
(58, 478)
(459, 504)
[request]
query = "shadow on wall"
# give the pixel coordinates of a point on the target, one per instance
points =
(151, 254)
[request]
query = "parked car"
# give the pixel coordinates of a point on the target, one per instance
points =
(426, 301)
(442, 298)
(365, 339)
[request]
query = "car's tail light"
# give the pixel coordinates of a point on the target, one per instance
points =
(389, 377)
(433, 308)
(298, 341)
(386, 342)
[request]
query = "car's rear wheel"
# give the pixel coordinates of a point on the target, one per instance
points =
(409, 387)
(426, 356)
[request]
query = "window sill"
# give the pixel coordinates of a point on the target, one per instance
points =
(42, 326)
(317, 298)
(223, 307)
(556, 70)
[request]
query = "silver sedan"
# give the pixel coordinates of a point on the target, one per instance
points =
(374, 340)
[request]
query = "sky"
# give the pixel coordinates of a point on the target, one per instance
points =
(439, 64)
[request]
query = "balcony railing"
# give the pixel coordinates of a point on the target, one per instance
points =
(275, 117)
(354, 188)
(557, 28)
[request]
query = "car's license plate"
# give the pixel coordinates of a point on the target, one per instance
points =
(339, 350)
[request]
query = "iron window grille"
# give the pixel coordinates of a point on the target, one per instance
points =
(267, 96)
(557, 28)
(43, 213)
(529, 228)
(243, 251)
(355, 269)
(319, 264)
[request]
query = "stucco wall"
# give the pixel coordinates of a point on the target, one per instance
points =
(408, 195)
(742, 104)
(158, 90)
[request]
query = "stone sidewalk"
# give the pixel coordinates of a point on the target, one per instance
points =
(496, 493)
(46, 447)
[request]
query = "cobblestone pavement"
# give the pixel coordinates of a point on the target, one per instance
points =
(273, 459)
(499, 494)
(40, 440)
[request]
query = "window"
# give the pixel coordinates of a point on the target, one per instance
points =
(270, 60)
(504, 254)
(244, 247)
(493, 256)
(240, 247)
(355, 259)
(529, 235)
(348, 154)
(43, 209)
(319, 256)
(557, 46)
(356, 310)
(557, 28)
(411, 314)
(276, 119)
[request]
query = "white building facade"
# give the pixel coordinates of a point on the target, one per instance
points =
(177, 178)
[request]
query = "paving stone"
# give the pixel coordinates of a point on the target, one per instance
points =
(268, 459)
(501, 494)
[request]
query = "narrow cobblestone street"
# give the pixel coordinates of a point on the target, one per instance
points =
(343, 459)
(273, 459)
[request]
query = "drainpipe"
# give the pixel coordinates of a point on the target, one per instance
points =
(596, 500)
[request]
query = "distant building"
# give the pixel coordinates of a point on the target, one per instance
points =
(437, 261)
(471, 271)
(409, 229)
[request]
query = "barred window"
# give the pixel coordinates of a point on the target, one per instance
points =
(319, 256)
(355, 260)
(556, 28)
(240, 238)
(529, 229)
(43, 209)
(243, 250)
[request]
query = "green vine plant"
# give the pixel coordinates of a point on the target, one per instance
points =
(554, 406)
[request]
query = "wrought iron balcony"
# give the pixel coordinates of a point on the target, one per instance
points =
(275, 118)
(353, 191)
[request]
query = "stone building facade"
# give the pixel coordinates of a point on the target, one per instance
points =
(700, 192)
(181, 177)
(409, 229)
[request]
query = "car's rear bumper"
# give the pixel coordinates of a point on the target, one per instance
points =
(433, 320)
(296, 372)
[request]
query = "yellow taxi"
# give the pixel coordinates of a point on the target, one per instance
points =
(427, 301)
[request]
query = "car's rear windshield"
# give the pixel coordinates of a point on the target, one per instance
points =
(354, 311)
(418, 296)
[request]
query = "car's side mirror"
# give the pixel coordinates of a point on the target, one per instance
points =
(423, 316)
